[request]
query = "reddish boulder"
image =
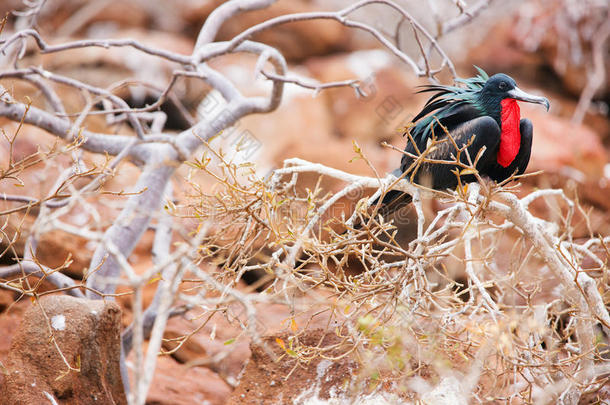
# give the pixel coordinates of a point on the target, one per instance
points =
(177, 384)
(86, 333)
(269, 378)
(390, 102)
(220, 344)
(7, 298)
(9, 321)
(560, 146)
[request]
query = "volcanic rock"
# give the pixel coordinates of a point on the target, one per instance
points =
(58, 331)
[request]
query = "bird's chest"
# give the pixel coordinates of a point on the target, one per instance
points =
(510, 137)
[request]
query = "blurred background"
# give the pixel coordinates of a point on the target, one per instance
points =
(555, 48)
(558, 48)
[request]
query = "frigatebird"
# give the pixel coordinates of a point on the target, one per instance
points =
(480, 112)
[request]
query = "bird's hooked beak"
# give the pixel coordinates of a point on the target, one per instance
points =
(519, 94)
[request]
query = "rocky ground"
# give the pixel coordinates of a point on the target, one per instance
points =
(218, 365)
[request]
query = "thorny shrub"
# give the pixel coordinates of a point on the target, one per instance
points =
(484, 289)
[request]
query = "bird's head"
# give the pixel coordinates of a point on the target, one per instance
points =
(481, 91)
(500, 87)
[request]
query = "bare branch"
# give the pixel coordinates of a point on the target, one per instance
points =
(597, 78)
(223, 13)
(104, 43)
(94, 142)
(29, 268)
(341, 16)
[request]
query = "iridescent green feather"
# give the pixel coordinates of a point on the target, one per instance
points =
(444, 103)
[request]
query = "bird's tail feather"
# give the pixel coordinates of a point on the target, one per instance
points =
(392, 201)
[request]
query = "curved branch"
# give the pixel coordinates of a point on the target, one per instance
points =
(465, 17)
(27, 268)
(91, 141)
(102, 43)
(81, 86)
(115, 145)
(205, 53)
(597, 77)
(579, 283)
(224, 12)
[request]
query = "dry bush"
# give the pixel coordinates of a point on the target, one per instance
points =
(529, 321)
(532, 327)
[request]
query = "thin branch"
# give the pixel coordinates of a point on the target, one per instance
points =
(29, 268)
(597, 78)
(102, 43)
(223, 13)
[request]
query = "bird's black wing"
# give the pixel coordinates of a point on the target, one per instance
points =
(392, 201)
(479, 132)
(463, 122)
(456, 110)
(450, 120)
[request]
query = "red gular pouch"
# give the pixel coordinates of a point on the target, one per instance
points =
(510, 138)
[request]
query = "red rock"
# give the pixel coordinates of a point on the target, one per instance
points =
(303, 127)
(572, 156)
(572, 59)
(9, 321)
(228, 350)
(225, 354)
(498, 53)
(321, 128)
(54, 247)
(391, 102)
(7, 298)
(545, 35)
(176, 384)
(560, 146)
(267, 378)
(62, 17)
(87, 333)
(9, 5)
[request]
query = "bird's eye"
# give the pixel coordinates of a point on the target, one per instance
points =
(502, 85)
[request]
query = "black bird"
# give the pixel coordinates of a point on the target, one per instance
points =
(483, 111)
